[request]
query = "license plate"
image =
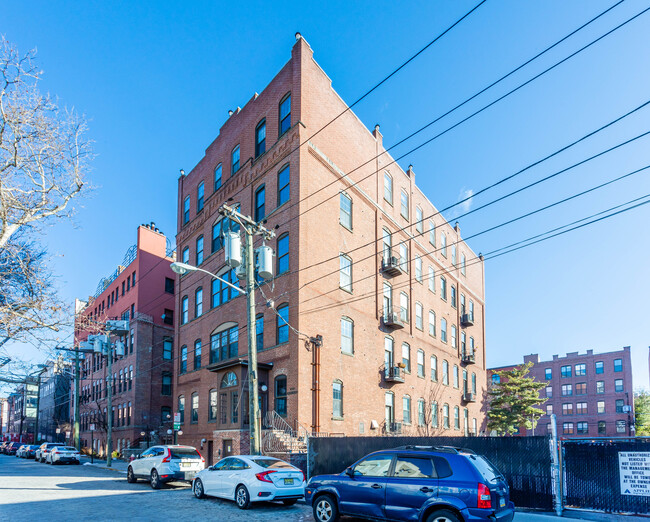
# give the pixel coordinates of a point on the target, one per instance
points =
(186, 464)
(502, 502)
(288, 482)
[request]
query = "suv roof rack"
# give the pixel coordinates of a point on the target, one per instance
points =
(441, 449)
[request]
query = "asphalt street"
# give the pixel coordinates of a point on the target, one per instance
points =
(33, 491)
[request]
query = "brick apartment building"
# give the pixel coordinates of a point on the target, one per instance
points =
(590, 394)
(380, 297)
(54, 404)
(142, 291)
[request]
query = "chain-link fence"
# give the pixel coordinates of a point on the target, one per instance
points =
(607, 474)
(525, 461)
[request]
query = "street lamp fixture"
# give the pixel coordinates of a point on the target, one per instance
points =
(184, 268)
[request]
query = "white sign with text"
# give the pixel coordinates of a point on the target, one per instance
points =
(634, 469)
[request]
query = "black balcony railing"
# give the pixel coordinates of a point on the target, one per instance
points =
(393, 374)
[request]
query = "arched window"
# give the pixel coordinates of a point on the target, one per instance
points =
(260, 138)
(456, 418)
(406, 409)
(194, 418)
(345, 214)
(285, 114)
(186, 210)
(345, 275)
(200, 197)
(284, 180)
(183, 362)
(185, 257)
(212, 410)
(224, 342)
(185, 306)
(406, 357)
(387, 240)
(282, 324)
(260, 203)
(432, 323)
(388, 187)
(404, 306)
(198, 302)
(283, 254)
(234, 160)
(217, 177)
(434, 368)
(199, 250)
(229, 380)
(421, 413)
(347, 335)
(181, 407)
(337, 399)
(280, 395)
(443, 330)
(404, 204)
(197, 354)
(445, 372)
(130, 377)
(445, 416)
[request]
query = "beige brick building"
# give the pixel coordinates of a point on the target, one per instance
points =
(362, 260)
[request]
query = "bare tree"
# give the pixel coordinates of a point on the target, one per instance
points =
(44, 157)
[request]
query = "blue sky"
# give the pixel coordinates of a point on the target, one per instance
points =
(156, 81)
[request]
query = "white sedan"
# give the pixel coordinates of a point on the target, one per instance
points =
(251, 478)
(61, 454)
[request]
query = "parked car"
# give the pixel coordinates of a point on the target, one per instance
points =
(30, 451)
(251, 478)
(21, 450)
(12, 448)
(44, 449)
(160, 464)
(62, 454)
(423, 483)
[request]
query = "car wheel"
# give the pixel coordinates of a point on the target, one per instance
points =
(290, 502)
(155, 479)
(242, 498)
(198, 489)
(130, 476)
(443, 515)
(325, 509)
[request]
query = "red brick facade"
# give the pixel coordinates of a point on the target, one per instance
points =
(591, 394)
(352, 390)
(142, 292)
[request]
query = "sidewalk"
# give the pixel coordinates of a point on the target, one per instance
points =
(116, 464)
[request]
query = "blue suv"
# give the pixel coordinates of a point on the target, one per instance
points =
(421, 483)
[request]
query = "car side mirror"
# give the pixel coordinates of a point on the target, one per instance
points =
(349, 472)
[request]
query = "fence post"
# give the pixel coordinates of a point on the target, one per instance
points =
(556, 479)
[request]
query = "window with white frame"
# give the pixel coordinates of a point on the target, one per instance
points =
(404, 257)
(445, 372)
(346, 272)
(420, 362)
(345, 217)
(406, 357)
(443, 330)
(419, 320)
(404, 204)
(388, 187)
(443, 244)
(418, 269)
(347, 335)
(434, 368)
(419, 220)
(432, 323)
(404, 307)
(432, 279)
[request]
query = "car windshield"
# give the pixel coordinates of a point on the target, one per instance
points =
(68, 448)
(485, 468)
(185, 453)
(273, 464)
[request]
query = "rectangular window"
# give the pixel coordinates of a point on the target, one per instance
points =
(600, 367)
(548, 374)
(406, 357)
(602, 427)
(445, 373)
(618, 385)
(453, 296)
(567, 390)
(620, 404)
(406, 413)
(388, 187)
(581, 370)
(260, 139)
(186, 211)
(549, 409)
(618, 365)
(432, 280)
(443, 244)
(337, 400)
(600, 406)
(345, 215)
(183, 367)
(285, 115)
(463, 264)
(260, 204)
(199, 250)
(443, 330)
(421, 415)
(234, 411)
(456, 418)
(600, 387)
(283, 254)
(168, 347)
(582, 428)
(620, 426)
(166, 384)
(404, 307)
(420, 361)
(284, 179)
(418, 269)
(345, 281)
(282, 324)
(455, 375)
(217, 177)
(453, 255)
(259, 332)
(197, 354)
(212, 411)
(581, 388)
(404, 204)
(169, 285)
(432, 323)
(200, 197)
(419, 220)
(347, 336)
(235, 160)
(434, 368)
(419, 321)
(581, 408)
(565, 371)
(443, 288)
(567, 428)
(185, 307)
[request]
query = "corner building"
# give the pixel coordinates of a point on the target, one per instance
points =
(140, 290)
(362, 260)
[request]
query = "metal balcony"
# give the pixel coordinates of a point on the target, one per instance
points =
(468, 358)
(391, 265)
(393, 374)
(392, 319)
(467, 320)
(394, 427)
(469, 397)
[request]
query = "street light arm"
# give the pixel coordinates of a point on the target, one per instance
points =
(240, 290)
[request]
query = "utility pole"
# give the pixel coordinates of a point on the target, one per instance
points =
(250, 228)
(109, 404)
(77, 390)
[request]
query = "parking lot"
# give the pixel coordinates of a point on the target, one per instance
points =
(31, 491)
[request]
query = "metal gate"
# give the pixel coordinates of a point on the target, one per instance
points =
(592, 472)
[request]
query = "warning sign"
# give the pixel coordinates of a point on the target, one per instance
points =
(634, 468)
